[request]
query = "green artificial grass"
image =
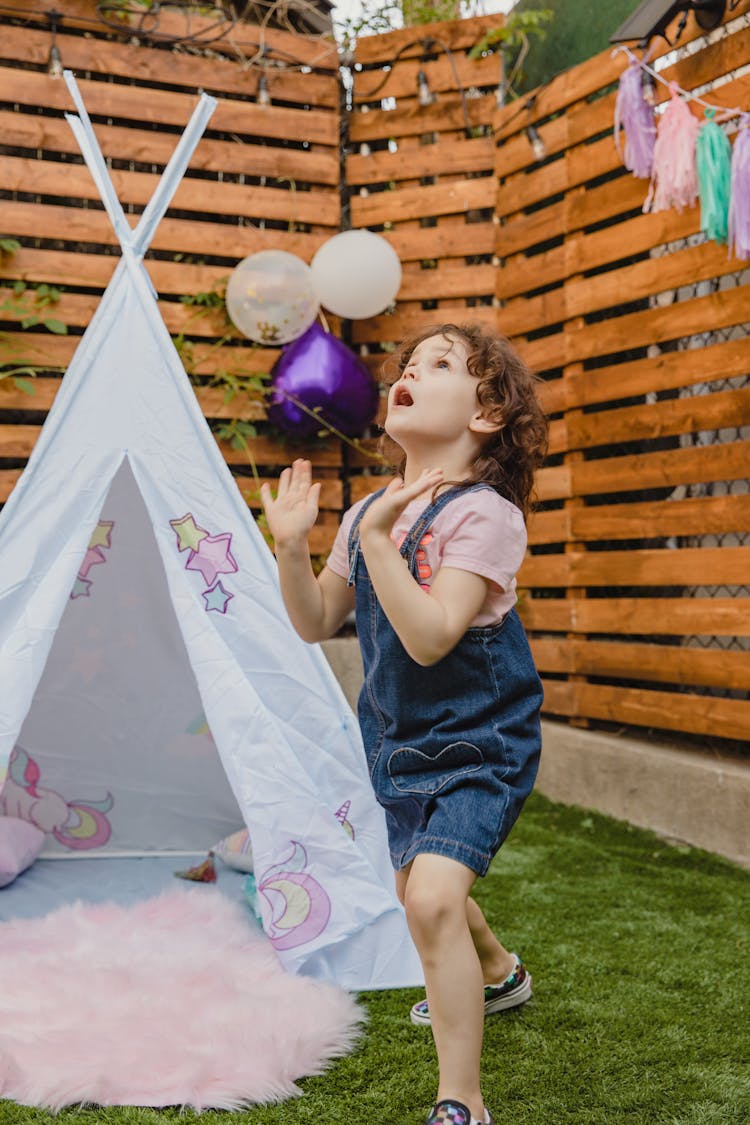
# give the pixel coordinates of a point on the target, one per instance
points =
(639, 952)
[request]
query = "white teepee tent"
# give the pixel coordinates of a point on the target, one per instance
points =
(140, 610)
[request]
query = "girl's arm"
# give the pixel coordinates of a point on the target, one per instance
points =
(317, 607)
(430, 624)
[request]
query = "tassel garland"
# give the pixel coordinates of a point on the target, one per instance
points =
(686, 159)
(713, 161)
(739, 207)
(636, 117)
(674, 182)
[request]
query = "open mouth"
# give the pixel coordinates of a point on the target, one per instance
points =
(401, 397)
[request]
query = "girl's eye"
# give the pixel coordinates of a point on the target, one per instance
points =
(442, 363)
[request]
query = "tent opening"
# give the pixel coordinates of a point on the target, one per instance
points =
(115, 755)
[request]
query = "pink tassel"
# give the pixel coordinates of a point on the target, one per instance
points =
(636, 117)
(674, 180)
(739, 201)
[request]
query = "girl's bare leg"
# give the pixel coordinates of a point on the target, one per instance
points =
(436, 893)
(497, 963)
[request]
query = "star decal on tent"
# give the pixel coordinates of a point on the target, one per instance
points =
(209, 555)
(213, 557)
(217, 599)
(189, 535)
(102, 534)
(100, 541)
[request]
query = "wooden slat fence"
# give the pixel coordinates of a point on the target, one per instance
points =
(636, 587)
(423, 177)
(261, 178)
(635, 591)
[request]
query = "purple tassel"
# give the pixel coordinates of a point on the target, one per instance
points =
(739, 202)
(636, 117)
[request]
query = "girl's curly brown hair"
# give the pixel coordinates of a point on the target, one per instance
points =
(506, 392)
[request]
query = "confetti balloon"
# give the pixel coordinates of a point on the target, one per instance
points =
(356, 274)
(318, 379)
(271, 297)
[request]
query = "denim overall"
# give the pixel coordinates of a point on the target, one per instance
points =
(452, 749)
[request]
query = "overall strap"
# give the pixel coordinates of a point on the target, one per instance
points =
(413, 537)
(353, 543)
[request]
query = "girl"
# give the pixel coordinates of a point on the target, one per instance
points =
(449, 709)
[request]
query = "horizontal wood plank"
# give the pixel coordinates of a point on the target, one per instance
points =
(91, 226)
(147, 64)
(663, 371)
(689, 414)
(34, 132)
(674, 617)
(688, 567)
(166, 107)
(695, 516)
(657, 663)
(452, 198)
(42, 177)
(701, 464)
(17, 442)
(693, 714)
(408, 42)
(401, 80)
(459, 158)
(243, 42)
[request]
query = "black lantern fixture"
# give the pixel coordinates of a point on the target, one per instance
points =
(653, 17)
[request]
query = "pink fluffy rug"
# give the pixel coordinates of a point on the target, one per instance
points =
(179, 1000)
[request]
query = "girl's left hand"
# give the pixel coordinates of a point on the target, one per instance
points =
(383, 512)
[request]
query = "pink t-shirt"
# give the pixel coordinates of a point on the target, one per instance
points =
(478, 531)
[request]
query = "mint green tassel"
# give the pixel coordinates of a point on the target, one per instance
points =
(713, 158)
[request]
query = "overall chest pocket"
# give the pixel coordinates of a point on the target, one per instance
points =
(413, 771)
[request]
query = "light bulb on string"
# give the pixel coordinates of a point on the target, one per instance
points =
(648, 87)
(424, 93)
(263, 96)
(536, 142)
(54, 59)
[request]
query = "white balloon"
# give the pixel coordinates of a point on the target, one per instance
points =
(356, 274)
(271, 297)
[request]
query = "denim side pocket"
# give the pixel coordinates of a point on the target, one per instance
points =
(413, 771)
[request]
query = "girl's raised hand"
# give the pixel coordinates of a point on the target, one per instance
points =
(294, 511)
(383, 512)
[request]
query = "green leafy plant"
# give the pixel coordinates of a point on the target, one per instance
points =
(513, 39)
(28, 304)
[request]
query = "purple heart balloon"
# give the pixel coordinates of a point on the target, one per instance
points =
(319, 372)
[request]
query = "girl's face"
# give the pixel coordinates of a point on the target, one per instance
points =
(436, 396)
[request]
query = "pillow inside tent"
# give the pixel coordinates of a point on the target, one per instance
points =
(20, 844)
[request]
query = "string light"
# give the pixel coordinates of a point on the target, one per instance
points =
(648, 86)
(424, 93)
(263, 96)
(54, 59)
(425, 96)
(536, 142)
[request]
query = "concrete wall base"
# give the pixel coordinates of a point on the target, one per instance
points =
(684, 795)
